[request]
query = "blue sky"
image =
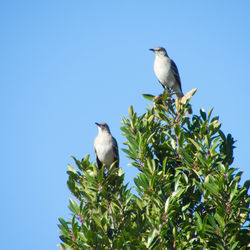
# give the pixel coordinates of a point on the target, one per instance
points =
(67, 64)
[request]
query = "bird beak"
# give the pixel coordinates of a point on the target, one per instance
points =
(97, 123)
(152, 50)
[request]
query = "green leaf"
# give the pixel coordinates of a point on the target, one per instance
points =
(164, 165)
(152, 235)
(188, 96)
(185, 207)
(64, 223)
(187, 157)
(127, 131)
(167, 205)
(234, 245)
(198, 221)
(212, 221)
(74, 206)
(203, 114)
(220, 220)
(209, 113)
(211, 188)
(148, 97)
(131, 112)
(71, 169)
(150, 137)
(133, 143)
(198, 147)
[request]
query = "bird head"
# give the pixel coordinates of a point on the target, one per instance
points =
(103, 127)
(159, 51)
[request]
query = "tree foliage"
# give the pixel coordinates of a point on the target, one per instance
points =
(188, 194)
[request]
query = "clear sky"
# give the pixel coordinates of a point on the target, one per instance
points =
(67, 64)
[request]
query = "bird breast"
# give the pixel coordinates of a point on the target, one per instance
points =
(104, 149)
(162, 69)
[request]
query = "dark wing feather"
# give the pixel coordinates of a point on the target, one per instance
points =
(116, 152)
(175, 71)
(162, 84)
(99, 164)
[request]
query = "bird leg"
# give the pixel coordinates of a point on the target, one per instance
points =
(168, 93)
(172, 100)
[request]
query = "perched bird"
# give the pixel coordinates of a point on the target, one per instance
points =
(166, 71)
(106, 148)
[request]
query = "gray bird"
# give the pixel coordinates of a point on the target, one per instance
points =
(106, 148)
(166, 71)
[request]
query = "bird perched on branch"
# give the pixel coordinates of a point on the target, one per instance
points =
(167, 73)
(106, 148)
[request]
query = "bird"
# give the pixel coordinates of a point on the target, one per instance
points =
(166, 71)
(106, 147)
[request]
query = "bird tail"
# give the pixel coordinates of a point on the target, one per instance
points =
(179, 94)
(178, 91)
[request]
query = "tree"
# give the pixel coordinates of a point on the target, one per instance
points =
(188, 193)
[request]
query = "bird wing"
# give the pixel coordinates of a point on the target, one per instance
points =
(99, 164)
(175, 71)
(116, 152)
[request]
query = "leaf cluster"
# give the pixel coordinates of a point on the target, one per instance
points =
(102, 215)
(188, 193)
